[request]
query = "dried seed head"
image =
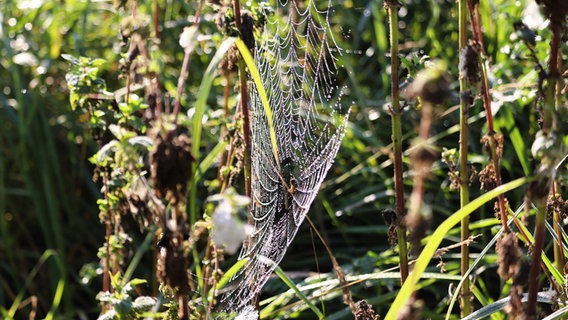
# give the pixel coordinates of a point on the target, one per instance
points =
(365, 311)
(469, 63)
(498, 141)
(390, 217)
(171, 161)
(171, 268)
(229, 64)
(555, 203)
(508, 255)
(487, 177)
(247, 28)
(431, 84)
(515, 307)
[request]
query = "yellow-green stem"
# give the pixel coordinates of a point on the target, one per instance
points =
(465, 303)
(392, 9)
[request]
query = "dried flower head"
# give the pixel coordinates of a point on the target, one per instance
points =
(469, 63)
(431, 84)
(488, 178)
(171, 161)
(508, 255)
(555, 203)
(365, 311)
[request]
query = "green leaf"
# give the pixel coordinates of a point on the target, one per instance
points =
(144, 303)
(293, 286)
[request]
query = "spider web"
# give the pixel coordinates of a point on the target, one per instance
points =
(296, 57)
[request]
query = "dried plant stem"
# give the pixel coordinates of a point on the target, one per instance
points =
(185, 68)
(244, 106)
(559, 258)
(465, 302)
(536, 256)
(223, 160)
(392, 8)
(550, 99)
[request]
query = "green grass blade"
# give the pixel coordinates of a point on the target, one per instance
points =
(255, 74)
(200, 105)
(437, 237)
(58, 292)
(230, 273)
(497, 306)
(293, 286)
(139, 253)
(208, 160)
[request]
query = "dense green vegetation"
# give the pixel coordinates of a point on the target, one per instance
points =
(74, 223)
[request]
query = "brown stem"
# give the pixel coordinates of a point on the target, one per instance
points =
(559, 258)
(392, 8)
(214, 285)
(495, 158)
(185, 68)
(156, 18)
(244, 106)
(536, 258)
(223, 162)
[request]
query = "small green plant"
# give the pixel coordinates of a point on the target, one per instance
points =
(121, 304)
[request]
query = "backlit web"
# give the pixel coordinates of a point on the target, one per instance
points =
(296, 57)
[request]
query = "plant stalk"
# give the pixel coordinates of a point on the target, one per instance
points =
(244, 106)
(536, 256)
(392, 7)
(465, 303)
(185, 67)
(548, 125)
